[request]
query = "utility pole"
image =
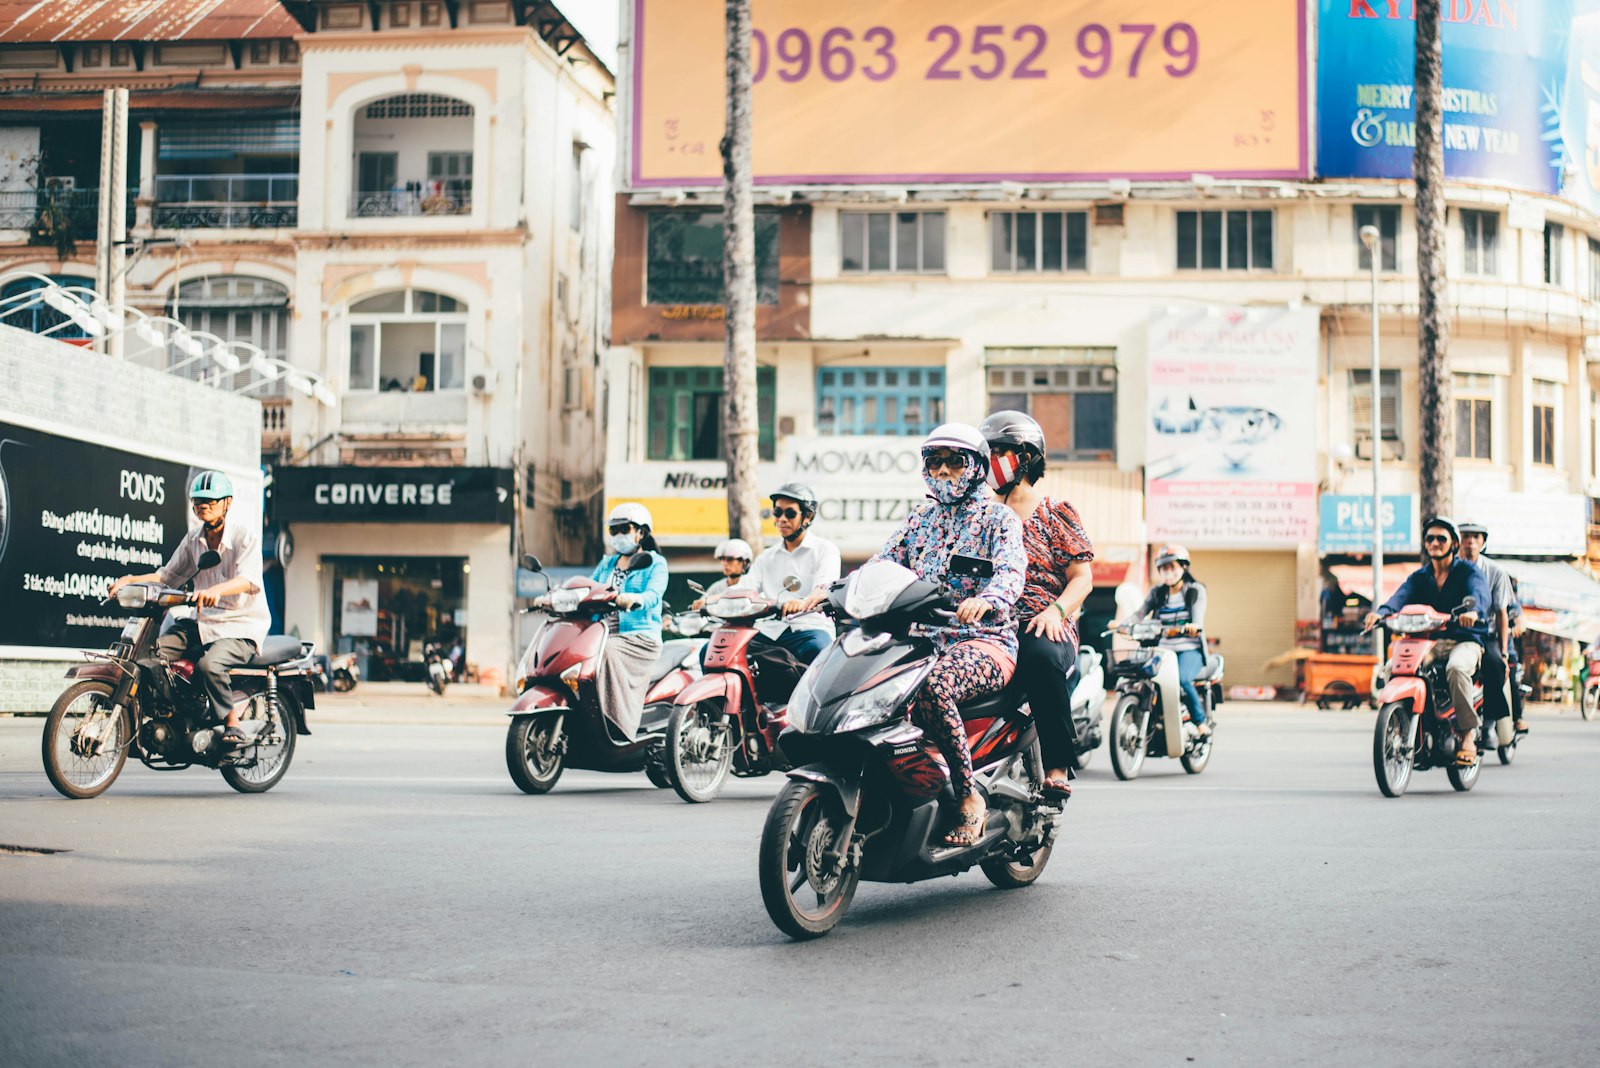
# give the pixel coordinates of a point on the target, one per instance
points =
(1438, 431)
(739, 286)
(111, 232)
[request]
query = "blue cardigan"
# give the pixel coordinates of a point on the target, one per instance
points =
(649, 584)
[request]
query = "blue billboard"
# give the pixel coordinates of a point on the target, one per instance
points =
(1505, 76)
(1346, 525)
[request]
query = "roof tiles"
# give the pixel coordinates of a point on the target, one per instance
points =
(52, 21)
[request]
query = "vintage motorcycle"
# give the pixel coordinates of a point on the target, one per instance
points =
(1088, 704)
(127, 698)
(340, 673)
(869, 796)
(1149, 718)
(556, 721)
(1416, 727)
(728, 721)
(437, 667)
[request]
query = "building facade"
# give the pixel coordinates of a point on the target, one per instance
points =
(411, 200)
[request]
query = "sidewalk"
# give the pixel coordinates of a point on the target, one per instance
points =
(411, 703)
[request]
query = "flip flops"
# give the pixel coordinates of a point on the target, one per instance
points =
(1056, 788)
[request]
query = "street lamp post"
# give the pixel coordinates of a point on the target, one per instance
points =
(1369, 239)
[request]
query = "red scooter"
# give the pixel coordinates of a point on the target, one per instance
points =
(1416, 727)
(728, 720)
(557, 721)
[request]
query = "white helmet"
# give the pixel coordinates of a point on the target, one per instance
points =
(958, 436)
(630, 512)
(734, 549)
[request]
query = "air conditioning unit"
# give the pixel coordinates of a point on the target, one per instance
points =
(484, 382)
(61, 183)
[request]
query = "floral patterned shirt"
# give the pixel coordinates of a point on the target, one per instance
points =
(1053, 538)
(977, 526)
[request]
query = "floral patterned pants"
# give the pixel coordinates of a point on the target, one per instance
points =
(962, 674)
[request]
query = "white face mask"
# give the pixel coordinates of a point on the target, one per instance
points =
(623, 544)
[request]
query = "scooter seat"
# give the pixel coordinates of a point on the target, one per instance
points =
(1210, 670)
(995, 704)
(277, 649)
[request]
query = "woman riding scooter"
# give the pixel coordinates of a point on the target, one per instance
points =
(639, 575)
(1180, 602)
(1059, 580)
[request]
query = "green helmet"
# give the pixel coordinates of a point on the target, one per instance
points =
(210, 486)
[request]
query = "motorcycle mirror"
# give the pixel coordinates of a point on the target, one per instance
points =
(791, 583)
(696, 587)
(531, 562)
(1468, 604)
(209, 559)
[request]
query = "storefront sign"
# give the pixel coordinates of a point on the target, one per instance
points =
(1346, 525)
(1230, 456)
(74, 516)
(939, 91)
(359, 616)
(1530, 524)
(391, 495)
(1504, 64)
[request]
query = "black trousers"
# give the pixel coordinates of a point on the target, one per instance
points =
(1494, 679)
(213, 663)
(1048, 671)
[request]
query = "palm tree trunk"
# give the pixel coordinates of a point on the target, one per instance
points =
(1437, 428)
(739, 282)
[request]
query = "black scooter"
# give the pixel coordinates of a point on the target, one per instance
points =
(869, 796)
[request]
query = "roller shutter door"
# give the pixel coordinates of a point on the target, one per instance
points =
(1249, 611)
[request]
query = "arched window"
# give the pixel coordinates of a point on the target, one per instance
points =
(235, 308)
(410, 340)
(36, 315)
(413, 156)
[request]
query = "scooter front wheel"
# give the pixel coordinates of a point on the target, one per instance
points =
(1127, 741)
(533, 753)
(805, 881)
(1392, 752)
(1589, 707)
(85, 740)
(699, 750)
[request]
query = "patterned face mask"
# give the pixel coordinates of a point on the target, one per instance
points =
(957, 488)
(1003, 471)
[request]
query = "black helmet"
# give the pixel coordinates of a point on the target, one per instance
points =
(1018, 432)
(799, 493)
(1448, 524)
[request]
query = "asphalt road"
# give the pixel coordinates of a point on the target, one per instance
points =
(396, 901)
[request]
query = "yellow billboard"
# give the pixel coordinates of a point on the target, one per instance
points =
(862, 91)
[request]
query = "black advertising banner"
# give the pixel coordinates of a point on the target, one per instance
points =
(391, 495)
(74, 516)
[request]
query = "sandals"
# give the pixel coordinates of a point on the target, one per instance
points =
(1054, 787)
(1466, 758)
(235, 736)
(967, 831)
(1520, 727)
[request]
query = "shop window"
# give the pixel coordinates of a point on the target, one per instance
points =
(1594, 269)
(1025, 241)
(236, 308)
(885, 242)
(1386, 217)
(1480, 232)
(1554, 252)
(385, 608)
(36, 315)
(409, 340)
(1546, 401)
(685, 420)
(879, 400)
(1225, 240)
(683, 261)
(1361, 408)
(1474, 398)
(1076, 406)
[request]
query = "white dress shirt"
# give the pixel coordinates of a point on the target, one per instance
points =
(239, 615)
(815, 563)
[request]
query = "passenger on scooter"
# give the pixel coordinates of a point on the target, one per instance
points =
(639, 575)
(1443, 583)
(1180, 602)
(1059, 579)
(810, 559)
(977, 654)
(1504, 616)
(734, 555)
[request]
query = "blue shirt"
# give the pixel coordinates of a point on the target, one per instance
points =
(649, 584)
(1463, 580)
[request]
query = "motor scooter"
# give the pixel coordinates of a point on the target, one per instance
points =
(556, 720)
(1149, 718)
(1589, 707)
(1088, 704)
(1416, 726)
(436, 667)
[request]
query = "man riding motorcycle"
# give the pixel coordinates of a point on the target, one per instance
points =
(734, 555)
(232, 617)
(1505, 621)
(806, 557)
(1443, 583)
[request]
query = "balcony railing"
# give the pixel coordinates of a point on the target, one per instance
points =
(405, 202)
(227, 201)
(46, 213)
(275, 423)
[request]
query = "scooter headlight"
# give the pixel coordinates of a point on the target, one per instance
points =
(566, 600)
(872, 707)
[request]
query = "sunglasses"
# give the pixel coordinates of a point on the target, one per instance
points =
(1435, 539)
(619, 528)
(954, 461)
(201, 506)
(786, 513)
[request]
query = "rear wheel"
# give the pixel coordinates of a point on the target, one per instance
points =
(271, 756)
(804, 881)
(1589, 707)
(1392, 753)
(85, 741)
(1506, 753)
(699, 749)
(1127, 740)
(1196, 757)
(1464, 779)
(1010, 874)
(533, 753)
(343, 681)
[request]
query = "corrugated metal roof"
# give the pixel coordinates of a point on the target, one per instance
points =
(51, 21)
